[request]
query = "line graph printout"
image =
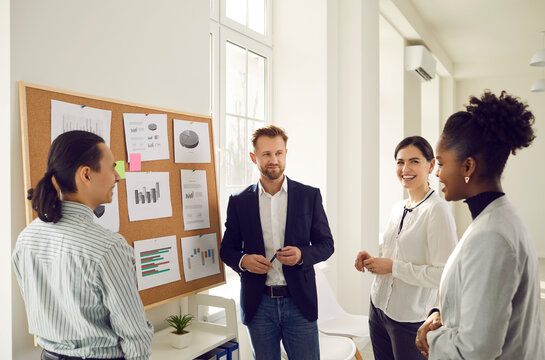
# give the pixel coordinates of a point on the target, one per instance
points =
(67, 117)
(195, 199)
(148, 195)
(156, 262)
(200, 256)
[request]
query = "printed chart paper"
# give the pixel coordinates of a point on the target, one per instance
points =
(148, 195)
(195, 199)
(147, 135)
(191, 142)
(200, 256)
(110, 214)
(66, 117)
(156, 262)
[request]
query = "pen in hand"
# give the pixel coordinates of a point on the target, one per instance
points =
(274, 256)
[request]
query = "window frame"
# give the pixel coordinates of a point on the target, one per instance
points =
(244, 29)
(223, 29)
(227, 35)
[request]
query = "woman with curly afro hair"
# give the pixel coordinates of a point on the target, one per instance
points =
(489, 291)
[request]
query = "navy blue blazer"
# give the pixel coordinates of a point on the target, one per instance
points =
(306, 227)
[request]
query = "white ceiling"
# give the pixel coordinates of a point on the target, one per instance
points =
(485, 37)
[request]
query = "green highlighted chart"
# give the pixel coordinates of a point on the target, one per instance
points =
(156, 262)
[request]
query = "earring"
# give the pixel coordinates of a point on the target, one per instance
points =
(466, 179)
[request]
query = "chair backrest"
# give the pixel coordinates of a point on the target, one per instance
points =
(328, 306)
(331, 348)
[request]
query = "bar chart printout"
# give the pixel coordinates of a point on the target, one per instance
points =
(148, 195)
(200, 256)
(156, 262)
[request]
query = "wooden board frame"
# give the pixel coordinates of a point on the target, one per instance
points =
(35, 116)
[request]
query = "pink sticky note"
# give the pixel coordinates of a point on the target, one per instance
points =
(134, 162)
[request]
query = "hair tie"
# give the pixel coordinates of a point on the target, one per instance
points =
(48, 174)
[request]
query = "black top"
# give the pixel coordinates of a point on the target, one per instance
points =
(479, 202)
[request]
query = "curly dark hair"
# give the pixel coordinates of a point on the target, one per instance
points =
(490, 129)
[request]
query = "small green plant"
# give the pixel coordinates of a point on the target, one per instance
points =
(179, 322)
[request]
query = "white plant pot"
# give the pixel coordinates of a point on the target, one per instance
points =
(180, 341)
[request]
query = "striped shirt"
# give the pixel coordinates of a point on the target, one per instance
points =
(79, 286)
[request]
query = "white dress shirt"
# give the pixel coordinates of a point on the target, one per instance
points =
(419, 253)
(273, 210)
(490, 292)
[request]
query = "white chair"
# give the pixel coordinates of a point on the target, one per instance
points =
(333, 320)
(332, 348)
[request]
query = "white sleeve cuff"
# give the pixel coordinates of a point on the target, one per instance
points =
(240, 263)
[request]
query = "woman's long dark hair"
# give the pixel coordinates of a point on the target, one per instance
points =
(422, 144)
(67, 153)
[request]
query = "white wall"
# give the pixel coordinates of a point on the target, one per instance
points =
(391, 126)
(522, 178)
(154, 53)
(358, 147)
(5, 220)
(412, 105)
(300, 86)
(431, 127)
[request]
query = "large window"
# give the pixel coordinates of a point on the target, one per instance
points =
(244, 106)
(240, 68)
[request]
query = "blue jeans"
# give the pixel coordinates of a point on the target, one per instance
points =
(280, 319)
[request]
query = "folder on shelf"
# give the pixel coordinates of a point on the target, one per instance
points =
(232, 350)
(214, 354)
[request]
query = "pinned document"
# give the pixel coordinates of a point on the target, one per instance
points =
(195, 199)
(200, 256)
(67, 117)
(146, 134)
(107, 215)
(148, 195)
(191, 142)
(156, 262)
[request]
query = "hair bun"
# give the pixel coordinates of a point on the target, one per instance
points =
(504, 120)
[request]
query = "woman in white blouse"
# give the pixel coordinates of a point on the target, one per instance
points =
(418, 240)
(490, 292)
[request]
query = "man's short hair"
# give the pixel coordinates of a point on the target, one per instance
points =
(269, 131)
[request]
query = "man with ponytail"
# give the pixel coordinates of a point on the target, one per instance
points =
(77, 278)
(489, 291)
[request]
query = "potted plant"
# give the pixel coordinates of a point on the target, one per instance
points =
(179, 338)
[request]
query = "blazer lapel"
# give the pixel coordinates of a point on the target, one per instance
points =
(254, 219)
(293, 203)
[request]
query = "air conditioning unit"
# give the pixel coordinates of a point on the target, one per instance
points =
(419, 61)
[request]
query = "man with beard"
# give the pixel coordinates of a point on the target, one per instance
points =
(276, 230)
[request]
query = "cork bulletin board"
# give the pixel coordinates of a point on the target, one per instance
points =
(35, 115)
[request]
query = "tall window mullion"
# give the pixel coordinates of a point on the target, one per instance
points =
(241, 59)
